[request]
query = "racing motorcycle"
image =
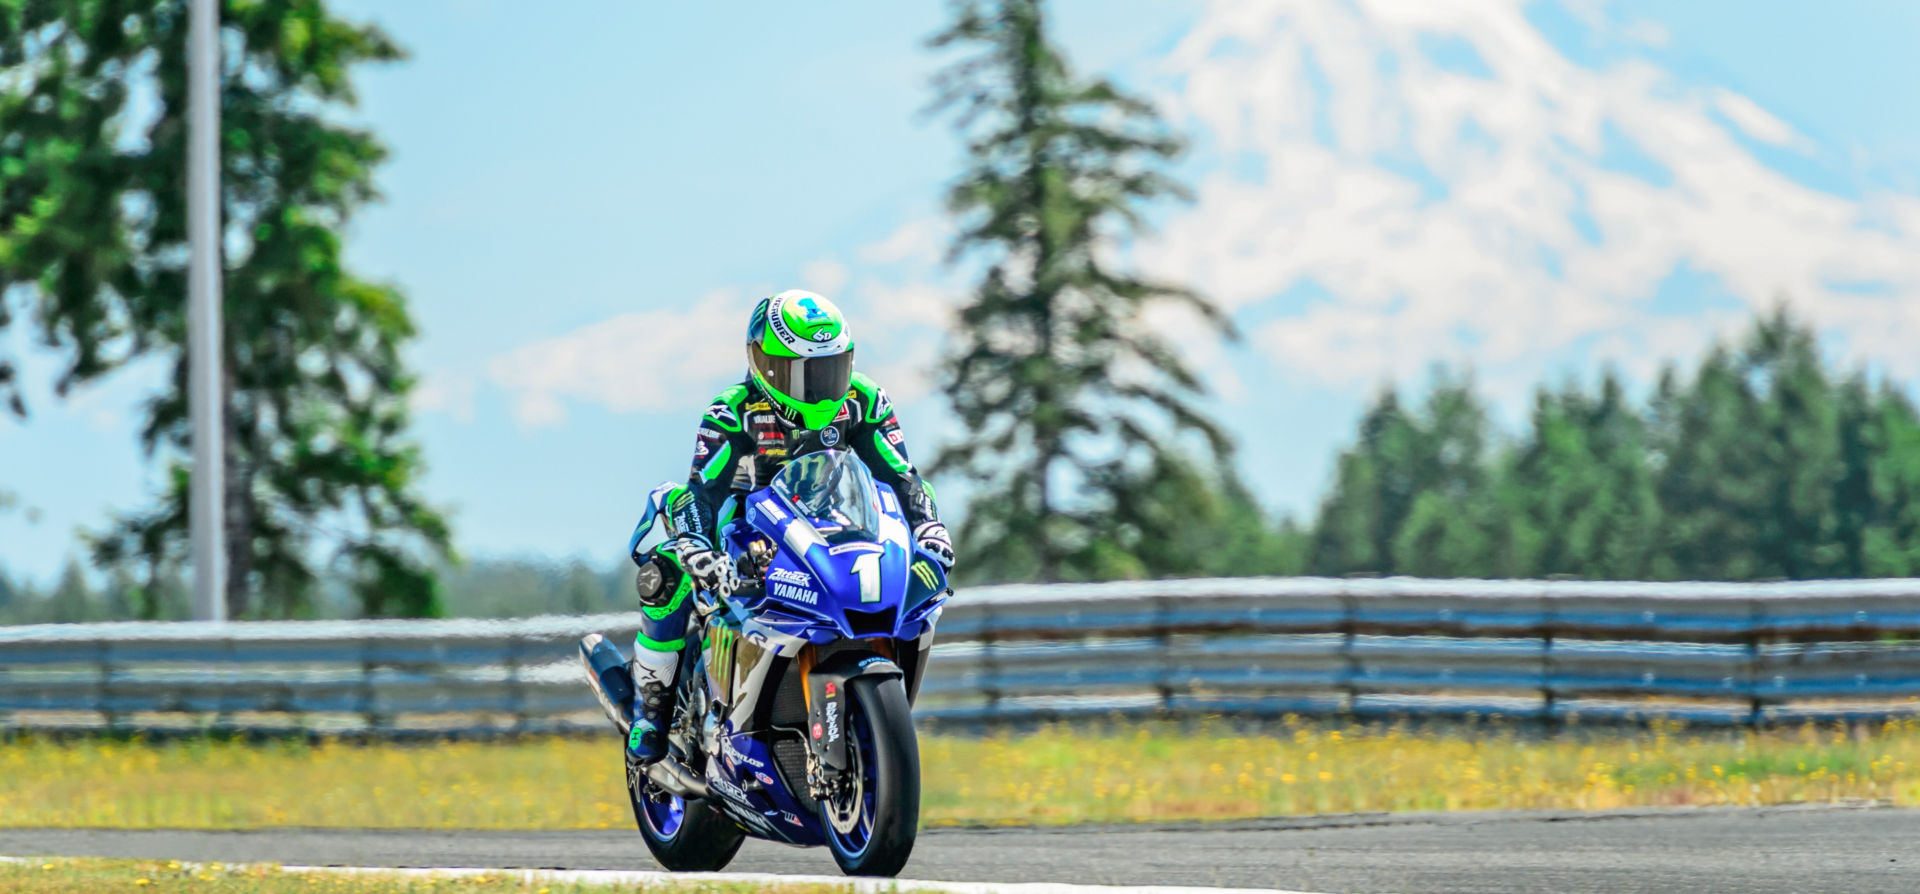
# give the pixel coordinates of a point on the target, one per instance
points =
(794, 721)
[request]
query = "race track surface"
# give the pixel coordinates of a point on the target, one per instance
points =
(1774, 849)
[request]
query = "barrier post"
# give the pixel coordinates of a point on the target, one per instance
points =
(370, 716)
(1163, 641)
(516, 682)
(1547, 715)
(1755, 709)
(1350, 662)
(104, 700)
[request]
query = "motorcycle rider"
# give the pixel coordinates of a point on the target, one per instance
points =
(800, 395)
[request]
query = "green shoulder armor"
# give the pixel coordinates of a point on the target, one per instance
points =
(724, 412)
(872, 397)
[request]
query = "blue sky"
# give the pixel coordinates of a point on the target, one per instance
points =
(583, 205)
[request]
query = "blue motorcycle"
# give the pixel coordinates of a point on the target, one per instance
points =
(795, 720)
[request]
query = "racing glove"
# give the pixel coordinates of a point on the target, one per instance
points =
(711, 570)
(933, 540)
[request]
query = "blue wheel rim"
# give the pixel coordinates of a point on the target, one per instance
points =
(860, 731)
(664, 817)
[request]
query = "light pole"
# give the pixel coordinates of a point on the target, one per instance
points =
(206, 403)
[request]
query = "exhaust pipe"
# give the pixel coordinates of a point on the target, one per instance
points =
(612, 684)
(607, 674)
(671, 775)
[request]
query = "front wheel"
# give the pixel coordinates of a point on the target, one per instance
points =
(871, 824)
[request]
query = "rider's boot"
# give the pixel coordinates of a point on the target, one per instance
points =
(653, 703)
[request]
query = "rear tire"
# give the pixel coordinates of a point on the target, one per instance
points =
(704, 840)
(893, 754)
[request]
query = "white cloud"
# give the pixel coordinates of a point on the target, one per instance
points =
(917, 302)
(920, 241)
(824, 276)
(647, 360)
(901, 305)
(445, 392)
(1755, 121)
(1647, 31)
(1541, 243)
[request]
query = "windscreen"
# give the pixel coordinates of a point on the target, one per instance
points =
(835, 492)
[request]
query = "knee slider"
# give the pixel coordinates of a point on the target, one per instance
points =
(652, 584)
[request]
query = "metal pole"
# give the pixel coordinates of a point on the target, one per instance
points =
(205, 394)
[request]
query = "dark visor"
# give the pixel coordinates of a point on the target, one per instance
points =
(808, 380)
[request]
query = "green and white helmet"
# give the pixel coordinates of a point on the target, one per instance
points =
(800, 354)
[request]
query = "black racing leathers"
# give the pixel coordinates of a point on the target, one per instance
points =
(743, 443)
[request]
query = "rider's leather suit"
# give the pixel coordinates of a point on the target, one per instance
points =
(743, 442)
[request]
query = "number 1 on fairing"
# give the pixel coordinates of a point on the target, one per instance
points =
(867, 570)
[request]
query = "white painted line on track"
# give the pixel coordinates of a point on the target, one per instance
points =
(649, 878)
(858, 885)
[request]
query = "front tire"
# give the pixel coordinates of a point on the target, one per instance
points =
(684, 836)
(881, 725)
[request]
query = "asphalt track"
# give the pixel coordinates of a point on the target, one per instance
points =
(1771, 849)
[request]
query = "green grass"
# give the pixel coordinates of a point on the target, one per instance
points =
(1056, 775)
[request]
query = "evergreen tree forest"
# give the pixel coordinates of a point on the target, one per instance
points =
(1761, 462)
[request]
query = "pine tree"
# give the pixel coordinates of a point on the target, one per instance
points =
(1752, 461)
(1855, 507)
(73, 600)
(1577, 496)
(92, 230)
(1705, 486)
(1073, 405)
(1448, 526)
(1354, 531)
(1890, 541)
(1414, 494)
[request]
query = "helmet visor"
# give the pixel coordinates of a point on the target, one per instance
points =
(806, 380)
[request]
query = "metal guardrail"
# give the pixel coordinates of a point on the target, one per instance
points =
(1736, 653)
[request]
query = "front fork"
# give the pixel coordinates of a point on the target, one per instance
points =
(830, 756)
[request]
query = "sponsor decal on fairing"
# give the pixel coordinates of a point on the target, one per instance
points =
(789, 576)
(734, 755)
(796, 594)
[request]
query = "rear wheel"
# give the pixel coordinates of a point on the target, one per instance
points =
(872, 822)
(685, 836)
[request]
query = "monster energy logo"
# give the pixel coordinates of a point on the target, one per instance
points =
(924, 572)
(720, 638)
(720, 641)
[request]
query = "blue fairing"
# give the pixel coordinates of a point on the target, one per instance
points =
(746, 758)
(819, 591)
(843, 567)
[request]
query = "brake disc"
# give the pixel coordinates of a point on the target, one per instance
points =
(849, 800)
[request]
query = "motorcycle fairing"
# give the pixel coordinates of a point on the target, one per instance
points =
(820, 592)
(771, 809)
(878, 591)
